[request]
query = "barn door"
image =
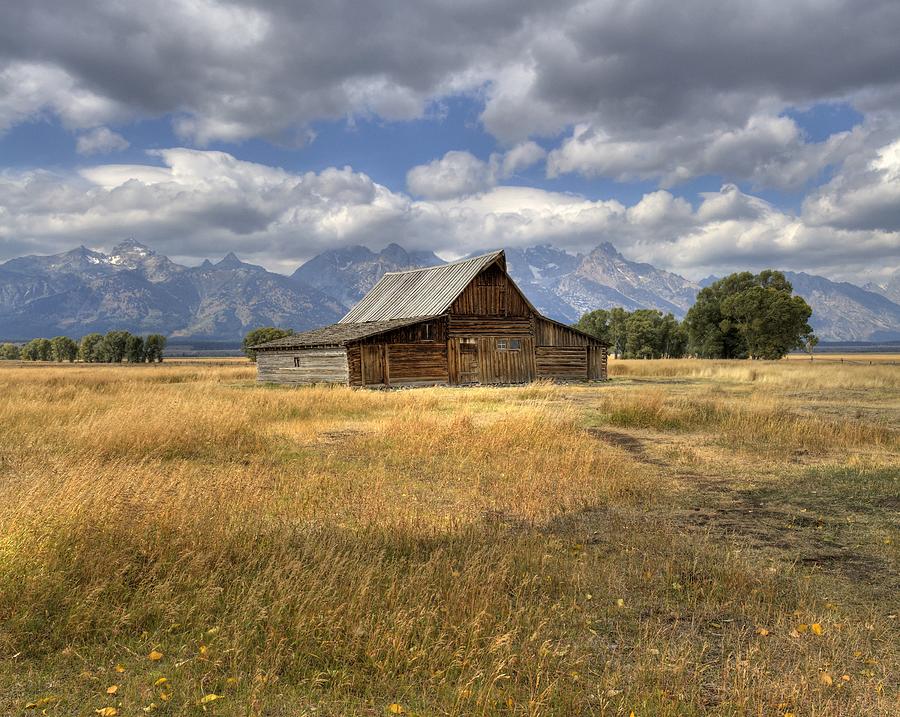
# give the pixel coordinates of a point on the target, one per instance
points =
(468, 361)
(372, 364)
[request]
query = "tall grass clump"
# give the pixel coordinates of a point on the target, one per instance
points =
(785, 374)
(756, 422)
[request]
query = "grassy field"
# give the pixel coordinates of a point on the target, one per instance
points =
(691, 538)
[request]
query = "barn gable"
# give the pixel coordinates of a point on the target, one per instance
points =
(424, 292)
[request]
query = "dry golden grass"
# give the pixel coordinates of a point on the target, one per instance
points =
(655, 544)
(789, 374)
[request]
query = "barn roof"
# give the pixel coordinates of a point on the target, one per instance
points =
(420, 292)
(339, 334)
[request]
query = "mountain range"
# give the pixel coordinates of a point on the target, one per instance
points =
(137, 289)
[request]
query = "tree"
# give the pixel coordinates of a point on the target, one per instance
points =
(617, 330)
(645, 333)
(64, 349)
(671, 341)
(642, 334)
(770, 320)
(134, 349)
(748, 315)
(154, 345)
(260, 336)
(112, 348)
(37, 350)
(88, 348)
(810, 341)
(9, 352)
(596, 323)
(710, 333)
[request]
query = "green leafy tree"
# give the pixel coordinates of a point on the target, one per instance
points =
(64, 349)
(9, 352)
(642, 328)
(645, 333)
(746, 315)
(154, 345)
(671, 339)
(810, 341)
(29, 351)
(711, 334)
(37, 350)
(134, 349)
(112, 348)
(88, 348)
(596, 323)
(771, 321)
(260, 336)
(617, 330)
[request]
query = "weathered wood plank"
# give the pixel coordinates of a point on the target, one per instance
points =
(568, 363)
(551, 333)
(490, 326)
(303, 366)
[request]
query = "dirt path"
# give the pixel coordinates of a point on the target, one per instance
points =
(790, 529)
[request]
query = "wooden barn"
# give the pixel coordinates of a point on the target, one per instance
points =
(461, 323)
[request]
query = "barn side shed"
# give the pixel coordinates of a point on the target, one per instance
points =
(460, 323)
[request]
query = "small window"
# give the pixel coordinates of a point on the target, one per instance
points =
(501, 344)
(515, 344)
(467, 341)
(296, 362)
(426, 332)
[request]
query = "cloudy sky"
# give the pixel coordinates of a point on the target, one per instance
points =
(701, 136)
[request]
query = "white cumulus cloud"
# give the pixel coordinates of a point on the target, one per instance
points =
(459, 173)
(195, 200)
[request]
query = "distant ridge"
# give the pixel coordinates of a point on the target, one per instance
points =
(134, 288)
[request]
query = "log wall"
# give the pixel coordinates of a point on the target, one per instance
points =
(516, 326)
(597, 363)
(566, 363)
(551, 333)
(416, 364)
(427, 331)
(316, 366)
(397, 364)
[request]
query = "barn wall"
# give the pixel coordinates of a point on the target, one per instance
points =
(505, 366)
(354, 364)
(316, 366)
(566, 363)
(516, 326)
(491, 293)
(550, 333)
(416, 363)
(398, 364)
(597, 363)
(434, 331)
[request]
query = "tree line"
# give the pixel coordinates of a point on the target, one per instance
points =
(112, 347)
(261, 336)
(743, 315)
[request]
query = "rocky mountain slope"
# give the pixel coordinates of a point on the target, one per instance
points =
(348, 274)
(135, 288)
(889, 288)
(571, 285)
(846, 312)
